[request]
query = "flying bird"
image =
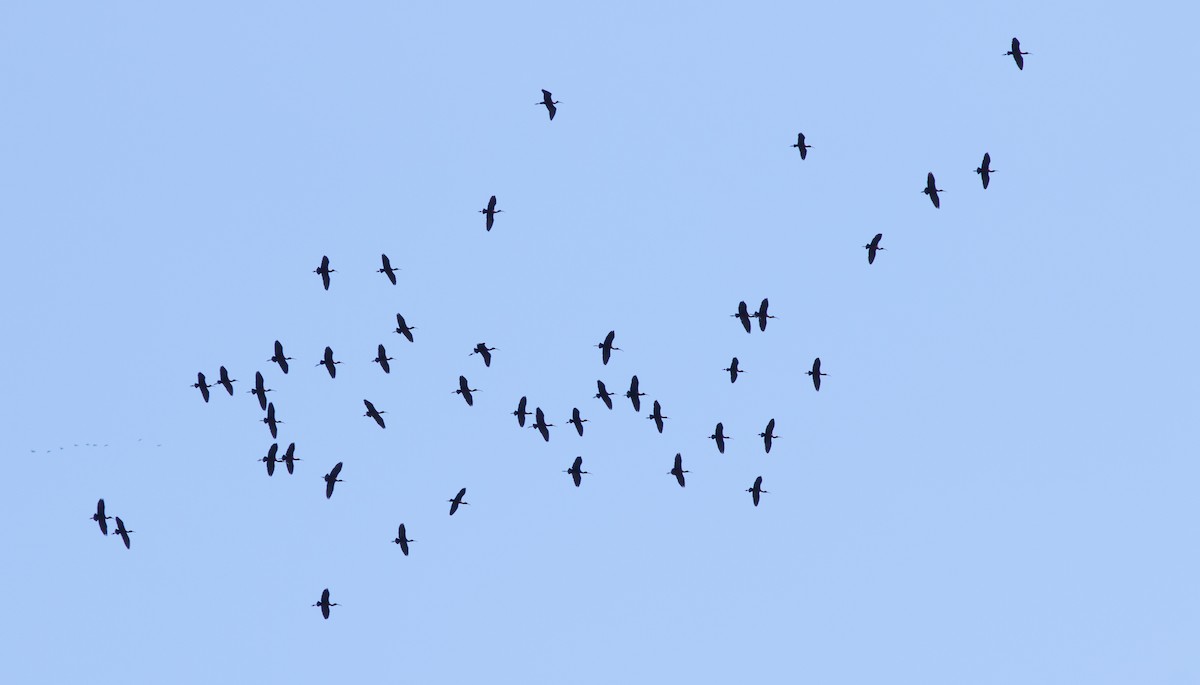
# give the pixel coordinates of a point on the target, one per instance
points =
(403, 328)
(465, 391)
(800, 144)
(200, 383)
(816, 373)
(259, 390)
(121, 530)
(290, 458)
(520, 413)
(458, 499)
(540, 424)
(325, 603)
(484, 351)
(733, 370)
(606, 347)
(762, 315)
(226, 381)
(99, 517)
(743, 315)
(278, 357)
(1016, 54)
(382, 360)
(331, 478)
(271, 421)
(984, 171)
(633, 394)
(490, 211)
(328, 362)
(932, 191)
(270, 458)
(720, 437)
(768, 435)
(872, 247)
(576, 471)
(756, 490)
(578, 422)
(548, 102)
(402, 540)
(678, 470)
(388, 270)
(603, 394)
(324, 271)
(657, 416)
(371, 412)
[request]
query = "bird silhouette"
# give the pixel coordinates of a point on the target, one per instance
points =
(657, 416)
(382, 360)
(403, 328)
(540, 424)
(603, 394)
(733, 370)
(270, 459)
(634, 396)
(800, 144)
(328, 362)
(606, 347)
(200, 383)
(278, 357)
(720, 437)
(271, 421)
(490, 212)
(577, 421)
(226, 381)
(484, 351)
(678, 470)
(872, 247)
(290, 458)
(465, 391)
(576, 471)
(762, 315)
(743, 315)
(371, 412)
(388, 270)
(548, 102)
(768, 435)
(259, 390)
(756, 490)
(402, 540)
(983, 170)
(520, 413)
(122, 531)
(932, 191)
(332, 479)
(1016, 54)
(458, 499)
(325, 603)
(816, 373)
(99, 517)
(324, 271)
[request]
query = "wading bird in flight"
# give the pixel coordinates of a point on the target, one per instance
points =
(465, 391)
(678, 470)
(278, 357)
(768, 435)
(271, 421)
(984, 171)
(328, 362)
(577, 421)
(657, 416)
(200, 383)
(1016, 54)
(756, 490)
(484, 351)
(226, 381)
(324, 271)
(402, 540)
(490, 211)
(259, 390)
(873, 247)
(606, 347)
(633, 394)
(99, 517)
(371, 412)
(932, 191)
(325, 603)
(388, 270)
(576, 471)
(270, 458)
(458, 499)
(816, 373)
(290, 458)
(540, 424)
(520, 413)
(548, 102)
(382, 360)
(762, 315)
(733, 370)
(800, 144)
(743, 315)
(121, 530)
(331, 479)
(720, 437)
(403, 328)
(603, 394)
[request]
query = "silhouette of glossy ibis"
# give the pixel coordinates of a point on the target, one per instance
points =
(548, 102)
(484, 351)
(388, 270)
(872, 247)
(382, 360)
(578, 422)
(226, 381)
(200, 383)
(331, 479)
(540, 424)
(576, 471)
(465, 391)
(768, 435)
(633, 394)
(270, 459)
(603, 394)
(458, 499)
(932, 191)
(278, 357)
(290, 458)
(1016, 54)
(99, 517)
(403, 328)
(371, 412)
(122, 531)
(720, 437)
(756, 490)
(800, 144)
(259, 390)
(402, 540)
(606, 347)
(743, 315)
(657, 416)
(733, 370)
(816, 373)
(271, 421)
(328, 362)
(762, 315)
(520, 413)
(324, 271)
(490, 211)
(984, 171)
(325, 603)
(678, 470)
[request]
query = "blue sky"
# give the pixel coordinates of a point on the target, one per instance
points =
(995, 483)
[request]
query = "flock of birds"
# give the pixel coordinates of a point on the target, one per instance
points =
(634, 394)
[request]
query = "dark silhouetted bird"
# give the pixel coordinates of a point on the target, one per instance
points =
(382, 360)
(539, 422)
(200, 383)
(490, 211)
(548, 102)
(328, 362)
(720, 437)
(324, 271)
(678, 470)
(402, 540)
(576, 471)
(325, 603)
(816, 373)
(932, 191)
(733, 370)
(1016, 54)
(122, 531)
(520, 413)
(278, 357)
(403, 328)
(872, 247)
(756, 490)
(743, 315)
(633, 394)
(99, 517)
(270, 459)
(331, 479)
(259, 390)
(290, 458)
(762, 315)
(465, 391)
(603, 394)
(768, 435)
(388, 270)
(271, 420)
(984, 171)
(484, 351)
(458, 499)
(371, 412)
(606, 347)
(226, 381)
(657, 416)
(800, 144)
(576, 421)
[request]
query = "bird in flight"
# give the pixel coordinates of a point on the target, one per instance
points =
(816, 373)
(387, 270)
(325, 603)
(756, 490)
(99, 517)
(324, 271)
(490, 212)
(371, 412)
(577, 471)
(331, 479)
(1016, 54)
(606, 347)
(458, 499)
(984, 171)
(549, 102)
(800, 144)
(932, 191)
(743, 315)
(872, 247)
(678, 470)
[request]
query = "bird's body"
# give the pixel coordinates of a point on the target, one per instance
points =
(388, 270)
(768, 435)
(490, 212)
(99, 517)
(816, 373)
(484, 351)
(271, 421)
(458, 499)
(332, 479)
(403, 328)
(204, 386)
(382, 360)
(606, 347)
(279, 358)
(539, 423)
(371, 412)
(603, 394)
(270, 458)
(634, 396)
(465, 391)
(720, 437)
(577, 471)
(733, 370)
(743, 315)
(872, 247)
(983, 170)
(1016, 54)
(290, 458)
(800, 144)
(122, 531)
(549, 102)
(259, 390)
(678, 470)
(324, 271)
(756, 490)
(577, 421)
(932, 191)
(520, 413)
(325, 603)
(402, 540)
(328, 363)
(226, 381)
(657, 416)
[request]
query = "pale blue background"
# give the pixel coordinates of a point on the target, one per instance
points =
(996, 484)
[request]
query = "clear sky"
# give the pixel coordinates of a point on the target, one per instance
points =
(995, 484)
